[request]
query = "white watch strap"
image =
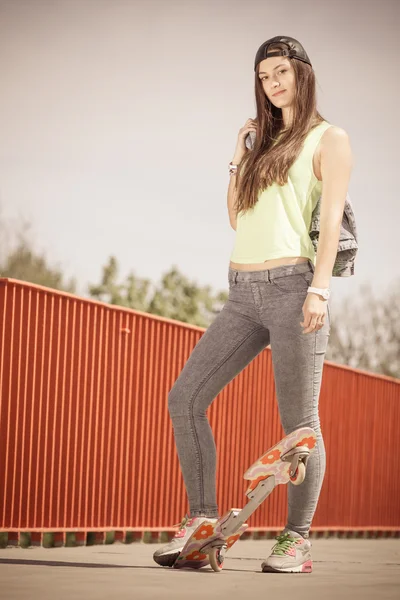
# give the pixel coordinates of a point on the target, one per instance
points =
(324, 292)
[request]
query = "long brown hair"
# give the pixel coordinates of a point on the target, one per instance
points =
(268, 162)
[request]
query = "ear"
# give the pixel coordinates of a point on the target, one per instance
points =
(250, 140)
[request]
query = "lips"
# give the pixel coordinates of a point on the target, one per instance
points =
(278, 93)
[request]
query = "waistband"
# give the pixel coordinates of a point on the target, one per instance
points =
(268, 274)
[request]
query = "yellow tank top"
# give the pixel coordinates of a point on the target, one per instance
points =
(278, 225)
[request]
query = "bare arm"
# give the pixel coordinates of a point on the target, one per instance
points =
(232, 199)
(336, 166)
(240, 151)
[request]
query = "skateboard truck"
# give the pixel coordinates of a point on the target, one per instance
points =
(237, 517)
(295, 456)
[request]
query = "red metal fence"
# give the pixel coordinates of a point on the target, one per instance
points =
(86, 443)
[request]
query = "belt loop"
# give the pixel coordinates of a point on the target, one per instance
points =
(269, 278)
(236, 274)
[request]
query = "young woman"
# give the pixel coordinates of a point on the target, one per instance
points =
(278, 290)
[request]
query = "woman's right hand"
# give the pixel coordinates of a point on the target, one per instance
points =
(250, 125)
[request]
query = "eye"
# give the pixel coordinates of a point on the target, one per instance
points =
(281, 71)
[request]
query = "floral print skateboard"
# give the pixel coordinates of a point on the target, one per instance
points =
(208, 544)
(284, 462)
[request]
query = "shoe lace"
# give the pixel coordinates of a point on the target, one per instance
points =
(182, 524)
(285, 541)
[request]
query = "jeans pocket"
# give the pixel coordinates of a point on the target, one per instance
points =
(297, 283)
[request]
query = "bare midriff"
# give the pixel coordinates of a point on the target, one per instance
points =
(268, 264)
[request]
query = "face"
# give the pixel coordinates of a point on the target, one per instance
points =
(277, 75)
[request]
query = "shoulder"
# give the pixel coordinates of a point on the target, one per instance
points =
(335, 140)
(335, 148)
(335, 135)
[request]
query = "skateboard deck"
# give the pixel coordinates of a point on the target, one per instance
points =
(271, 463)
(193, 555)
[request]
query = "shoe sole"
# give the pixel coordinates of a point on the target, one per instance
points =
(304, 568)
(166, 560)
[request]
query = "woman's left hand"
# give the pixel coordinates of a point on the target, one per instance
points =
(314, 311)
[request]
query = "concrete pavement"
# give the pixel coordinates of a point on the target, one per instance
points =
(367, 569)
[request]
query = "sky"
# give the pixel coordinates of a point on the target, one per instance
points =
(118, 119)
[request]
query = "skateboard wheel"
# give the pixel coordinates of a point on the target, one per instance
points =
(298, 477)
(216, 558)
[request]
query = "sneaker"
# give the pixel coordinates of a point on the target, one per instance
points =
(291, 554)
(167, 555)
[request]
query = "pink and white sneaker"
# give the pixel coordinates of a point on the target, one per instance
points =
(167, 554)
(291, 554)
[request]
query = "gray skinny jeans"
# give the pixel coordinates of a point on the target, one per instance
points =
(264, 307)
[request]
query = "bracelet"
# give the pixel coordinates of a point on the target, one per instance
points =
(232, 168)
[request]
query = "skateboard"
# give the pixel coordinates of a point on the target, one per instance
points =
(284, 462)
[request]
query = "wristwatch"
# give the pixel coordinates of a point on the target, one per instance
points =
(325, 293)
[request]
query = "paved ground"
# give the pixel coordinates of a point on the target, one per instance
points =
(343, 568)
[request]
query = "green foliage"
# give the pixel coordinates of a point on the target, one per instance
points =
(70, 539)
(147, 538)
(48, 540)
(19, 260)
(110, 537)
(129, 537)
(176, 297)
(24, 539)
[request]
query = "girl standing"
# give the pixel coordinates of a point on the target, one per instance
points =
(278, 290)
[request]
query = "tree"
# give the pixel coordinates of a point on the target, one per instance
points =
(175, 298)
(19, 260)
(365, 333)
